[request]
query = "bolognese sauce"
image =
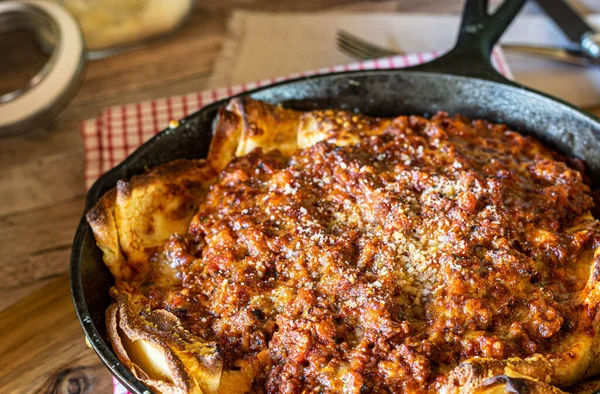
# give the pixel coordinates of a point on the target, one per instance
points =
(379, 266)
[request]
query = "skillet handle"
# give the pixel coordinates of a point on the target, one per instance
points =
(479, 32)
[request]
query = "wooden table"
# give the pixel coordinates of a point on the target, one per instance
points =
(42, 347)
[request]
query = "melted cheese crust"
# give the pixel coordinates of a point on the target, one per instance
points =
(404, 255)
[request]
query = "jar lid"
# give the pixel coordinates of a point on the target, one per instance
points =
(49, 90)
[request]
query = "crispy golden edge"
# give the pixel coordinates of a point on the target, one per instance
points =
(102, 221)
(153, 206)
(246, 124)
(225, 140)
(265, 126)
(193, 366)
(139, 215)
(544, 373)
(504, 384)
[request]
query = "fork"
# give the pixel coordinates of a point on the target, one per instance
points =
(358, 48)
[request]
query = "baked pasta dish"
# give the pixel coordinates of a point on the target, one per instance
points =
(331, 252)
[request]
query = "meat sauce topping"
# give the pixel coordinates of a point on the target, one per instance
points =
(378, 267)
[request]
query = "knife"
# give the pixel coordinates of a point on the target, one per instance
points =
(573, 25)
(571, 56)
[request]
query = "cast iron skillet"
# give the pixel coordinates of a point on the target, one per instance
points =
(462, 81)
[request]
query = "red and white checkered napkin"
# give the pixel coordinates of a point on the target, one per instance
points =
(119, 130)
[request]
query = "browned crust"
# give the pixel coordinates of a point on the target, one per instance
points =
(265, 126)
(139, 215)
(578, 361)
(522, 385)
(246, 124)
(104, 226)
(225, 140)
(193, 366)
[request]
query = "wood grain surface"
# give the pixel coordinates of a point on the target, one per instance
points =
(42, 347)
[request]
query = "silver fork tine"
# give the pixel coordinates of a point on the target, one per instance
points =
(360, 48)
(363, 45)
(352, 51)
(357, 47)
(356, 50)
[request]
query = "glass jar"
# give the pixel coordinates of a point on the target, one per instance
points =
(112, 26)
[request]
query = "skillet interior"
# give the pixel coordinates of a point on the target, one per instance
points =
(376, 93)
